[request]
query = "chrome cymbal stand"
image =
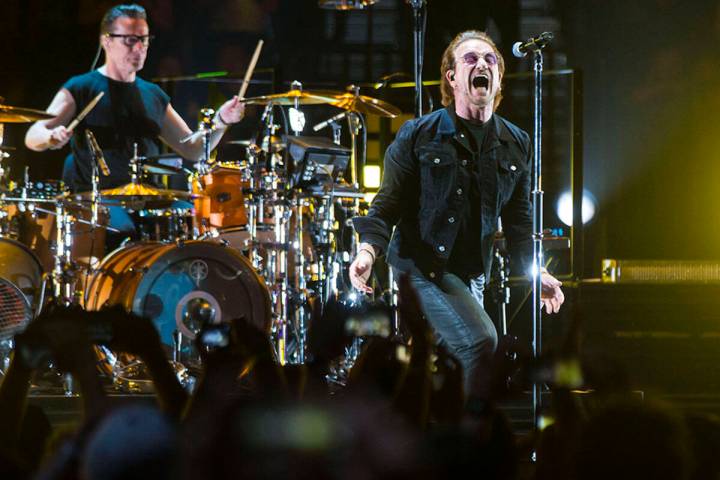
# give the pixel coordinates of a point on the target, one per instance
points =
(260, 167)
(63, 274)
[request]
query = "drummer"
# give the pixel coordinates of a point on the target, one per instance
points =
(131, 111)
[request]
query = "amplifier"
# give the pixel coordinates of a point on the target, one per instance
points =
(660, 271)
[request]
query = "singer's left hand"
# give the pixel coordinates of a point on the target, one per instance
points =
(232, 111)
(551, 296)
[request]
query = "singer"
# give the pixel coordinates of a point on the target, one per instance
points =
(131, 111)
(448, 176)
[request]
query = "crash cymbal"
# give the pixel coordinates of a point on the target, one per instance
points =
(303, 97)
(345, 4)
(277, 143)
(9, 114)
(367, 105)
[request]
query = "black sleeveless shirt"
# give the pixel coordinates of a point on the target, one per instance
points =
(128, 113)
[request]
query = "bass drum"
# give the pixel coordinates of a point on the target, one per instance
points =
(181, 287)
(20, 266)
(21, 291)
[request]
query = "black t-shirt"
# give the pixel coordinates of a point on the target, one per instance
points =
(128, 113)
(466, 257)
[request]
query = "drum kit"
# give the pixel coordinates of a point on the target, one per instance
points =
(264, 238)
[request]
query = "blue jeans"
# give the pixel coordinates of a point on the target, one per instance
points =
(455, 311)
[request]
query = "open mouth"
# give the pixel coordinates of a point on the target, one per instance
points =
(481, 81)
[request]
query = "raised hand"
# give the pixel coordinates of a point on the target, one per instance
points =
(361, 268)
(551, 296)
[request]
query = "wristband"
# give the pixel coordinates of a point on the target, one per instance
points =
(368, 251)
(222, 120)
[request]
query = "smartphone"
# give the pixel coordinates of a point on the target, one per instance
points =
(215, 336)
(372, 321)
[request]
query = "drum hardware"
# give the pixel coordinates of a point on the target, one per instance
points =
(206, 126)
(268, 142)
(291, 234)
(134, 195)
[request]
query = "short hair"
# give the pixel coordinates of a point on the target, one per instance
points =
(130, 11)
(448, 62)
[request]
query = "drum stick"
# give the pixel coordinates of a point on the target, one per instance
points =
(249, 72)
(85, 111)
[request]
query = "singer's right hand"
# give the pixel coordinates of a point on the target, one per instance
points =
(59, 137)
(360, 270)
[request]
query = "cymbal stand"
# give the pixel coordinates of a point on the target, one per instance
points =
(354, 124)
(63, 271)
(95, 192)
(3, 155)
(256, 201)
(135, 166)
(207, 126)
(4, 215)
(300, 280)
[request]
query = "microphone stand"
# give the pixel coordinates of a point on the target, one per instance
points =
(537, 237)
(418, 7)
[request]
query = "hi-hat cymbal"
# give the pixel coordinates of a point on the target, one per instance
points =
(367, 105)
(9, 114)
(302, 97)
(276, 142)
(134, 194)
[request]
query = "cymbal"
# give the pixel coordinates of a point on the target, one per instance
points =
(134, 194)
(277, 143)
(9, 114)
(367, 105)
(345, 4)
(303, 97)
(161, 169)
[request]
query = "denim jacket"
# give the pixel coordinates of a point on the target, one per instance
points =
(426, 180)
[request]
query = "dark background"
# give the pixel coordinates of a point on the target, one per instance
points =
(651, 77)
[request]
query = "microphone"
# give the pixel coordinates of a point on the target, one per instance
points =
(327, 122)
(97, 152)
(520, 49)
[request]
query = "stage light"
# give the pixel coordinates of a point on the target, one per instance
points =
(371, 176)
(564, 207)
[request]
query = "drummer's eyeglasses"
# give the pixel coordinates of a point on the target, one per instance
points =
(132, 40)
(472, 58)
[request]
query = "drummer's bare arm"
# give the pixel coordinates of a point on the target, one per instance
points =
(52, 134)
(175, 129)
